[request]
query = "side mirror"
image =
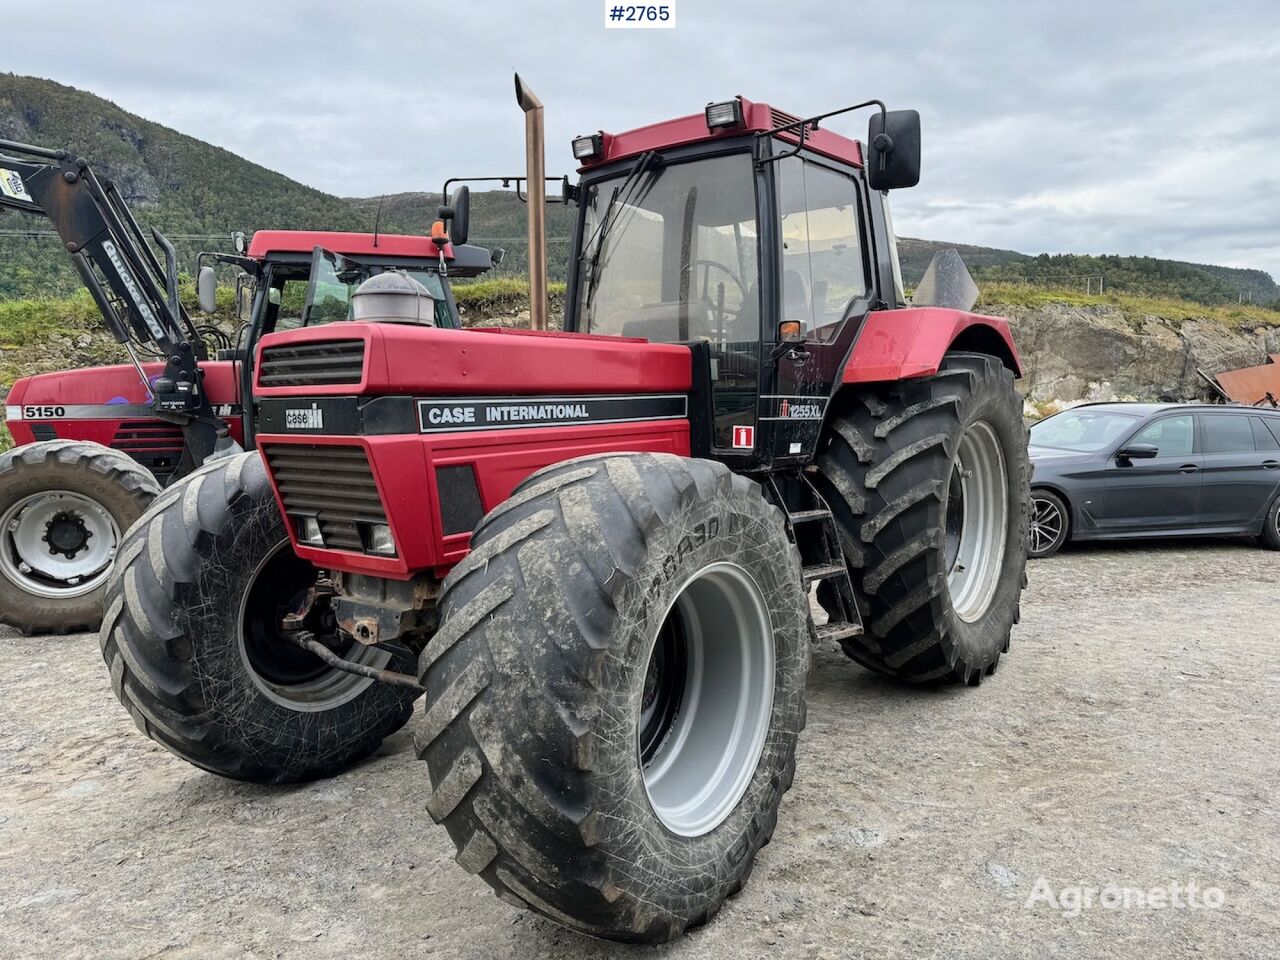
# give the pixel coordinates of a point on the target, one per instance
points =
(1138, 451)
(458, 215)
(893, 150)
(207, 290)
(497, 255)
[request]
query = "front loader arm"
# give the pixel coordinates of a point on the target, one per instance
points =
(137, 296)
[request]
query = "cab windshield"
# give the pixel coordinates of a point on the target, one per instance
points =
(334, 279)
(671, 253)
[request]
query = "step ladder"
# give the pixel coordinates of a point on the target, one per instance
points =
(812, 528)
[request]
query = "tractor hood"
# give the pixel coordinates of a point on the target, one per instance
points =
(108, 392)
(372, 359)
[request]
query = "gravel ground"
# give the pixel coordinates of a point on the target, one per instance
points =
(1130, 738)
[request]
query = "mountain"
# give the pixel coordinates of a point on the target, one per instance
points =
(198, 194)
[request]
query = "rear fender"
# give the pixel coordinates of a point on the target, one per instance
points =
(902, 344)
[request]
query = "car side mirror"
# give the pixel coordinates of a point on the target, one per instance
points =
(893, 150)
(207, 290)
(458, 215)
(1138, 451)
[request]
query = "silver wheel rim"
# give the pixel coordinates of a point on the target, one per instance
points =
(1047, 525)
(977, 526)
(329, 688)
(35, 527)
(698, 769)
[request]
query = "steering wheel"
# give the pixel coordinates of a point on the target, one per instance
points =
(706, 282)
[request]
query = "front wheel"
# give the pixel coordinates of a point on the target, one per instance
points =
(616, 691)
(63, 507)
(1050, 524)
(192, 637)
(928, 483)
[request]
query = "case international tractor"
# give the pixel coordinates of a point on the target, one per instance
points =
(591, 552)
(95, 445)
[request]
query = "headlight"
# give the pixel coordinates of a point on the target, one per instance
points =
(378, 539)
(587, 148)
(308, 529)
(727, 113)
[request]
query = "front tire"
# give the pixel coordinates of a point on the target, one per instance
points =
(928, 482)
(1050, 524)
(191, 637)
(616, 691)
(64, 505)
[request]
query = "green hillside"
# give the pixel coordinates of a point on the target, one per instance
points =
(198, 194)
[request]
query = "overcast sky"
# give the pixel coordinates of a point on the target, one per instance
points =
(1120, 127)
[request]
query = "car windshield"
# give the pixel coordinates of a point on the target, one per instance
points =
(670, 252)
(1082, 431)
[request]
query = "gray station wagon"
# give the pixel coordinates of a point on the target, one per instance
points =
(1119, 470)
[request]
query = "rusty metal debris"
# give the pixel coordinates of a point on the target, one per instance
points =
(1253, 386)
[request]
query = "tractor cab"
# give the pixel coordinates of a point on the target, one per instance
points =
(292, 279)
(760, 240)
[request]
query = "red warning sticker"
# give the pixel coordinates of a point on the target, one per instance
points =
(744, 438)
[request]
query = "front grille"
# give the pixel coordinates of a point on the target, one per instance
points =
(153, 443)
(334, 484)
(311, 364)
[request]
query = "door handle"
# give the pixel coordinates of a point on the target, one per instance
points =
(1188, 468)
(1270, 464)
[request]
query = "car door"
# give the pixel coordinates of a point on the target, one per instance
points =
(1160, 493)
(1240, 468)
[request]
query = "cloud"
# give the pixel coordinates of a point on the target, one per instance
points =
(1139, 128)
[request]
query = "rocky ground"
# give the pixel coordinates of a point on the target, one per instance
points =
(1131, 738)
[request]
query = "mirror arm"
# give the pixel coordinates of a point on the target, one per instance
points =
(811, 123)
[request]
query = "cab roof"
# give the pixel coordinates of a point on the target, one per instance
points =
(266, 242)
(756, 118)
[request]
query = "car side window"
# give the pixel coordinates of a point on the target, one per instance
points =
(1263, 439)
(1173, 436)
(1225, 433)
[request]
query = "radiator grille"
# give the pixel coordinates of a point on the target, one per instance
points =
(312, 364)
(332, 483)
(153, 443)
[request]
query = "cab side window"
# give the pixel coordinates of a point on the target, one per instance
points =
(1174, 436)
(823, 270)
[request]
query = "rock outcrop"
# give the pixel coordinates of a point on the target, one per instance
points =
(1081, 353)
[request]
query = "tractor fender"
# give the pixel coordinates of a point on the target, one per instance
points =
(903, 344)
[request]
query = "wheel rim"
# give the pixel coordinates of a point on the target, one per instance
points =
(976, 522)
(708, 696)
(58, 544)
(287, 674)
(1047, 525)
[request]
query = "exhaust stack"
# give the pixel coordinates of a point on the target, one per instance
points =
(536, 191)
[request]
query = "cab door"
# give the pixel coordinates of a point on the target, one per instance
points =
(824, 284)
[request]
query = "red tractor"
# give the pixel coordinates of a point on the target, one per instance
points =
(96, 445)
(593, 550)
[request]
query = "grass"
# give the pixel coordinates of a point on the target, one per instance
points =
(1173, 311)
(501, 296)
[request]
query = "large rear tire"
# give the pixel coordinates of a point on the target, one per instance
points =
(929, 484)
(616, 691)
(64, 505)
(191, 637)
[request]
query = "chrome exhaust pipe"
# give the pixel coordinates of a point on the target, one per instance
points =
(536, 193)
